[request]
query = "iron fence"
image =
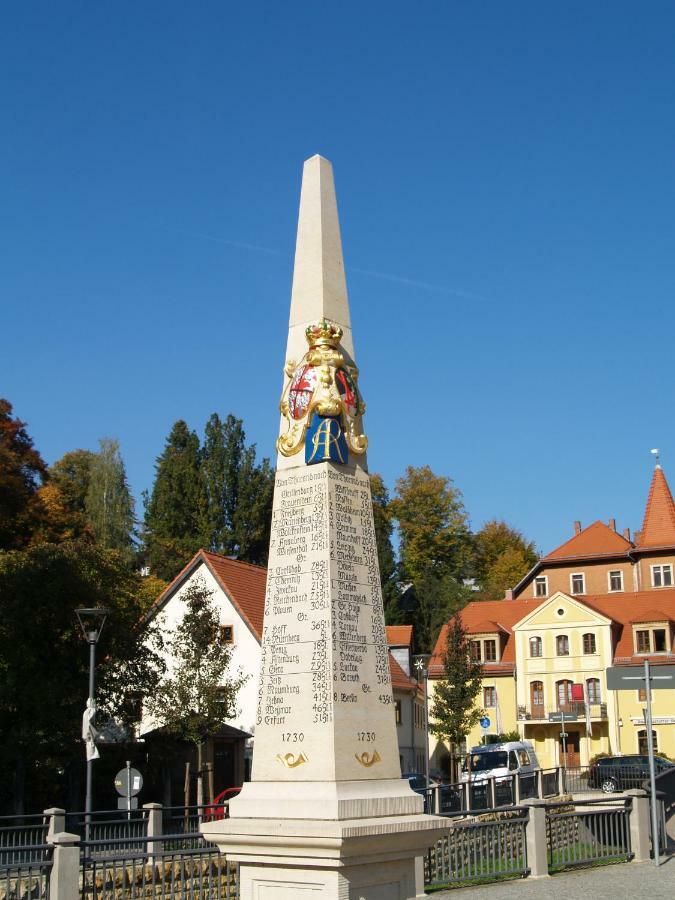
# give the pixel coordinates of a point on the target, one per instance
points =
(21, 838)
(485, 849)
(163, 868)
(25, 871)
(107, 827)
(588, 832)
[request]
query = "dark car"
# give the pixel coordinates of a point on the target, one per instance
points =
(449, 800)
(622, 773)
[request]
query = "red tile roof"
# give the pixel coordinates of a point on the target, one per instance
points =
(658, 526)
(651, 615)
(399, 635)
(595, 540)
(399, 680)
(484, 627)
(626, 609)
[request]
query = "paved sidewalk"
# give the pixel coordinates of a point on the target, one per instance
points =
(613, 882)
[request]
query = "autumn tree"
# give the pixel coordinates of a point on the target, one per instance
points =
(453, 710)
(64, 496)
(108, 504)
(385, 550)
(433, 525)
(502, 557)
(22, 471)
(176, 514)
(197, 695)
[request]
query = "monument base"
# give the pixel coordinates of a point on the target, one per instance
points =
(357, 859)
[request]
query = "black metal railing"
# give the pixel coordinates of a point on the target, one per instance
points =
(588, 832)
(477, 850)
(20, 838)
(25, 871)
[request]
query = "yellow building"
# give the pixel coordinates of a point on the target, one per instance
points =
(600, 600)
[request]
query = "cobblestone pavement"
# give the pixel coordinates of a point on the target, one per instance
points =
(614, 882)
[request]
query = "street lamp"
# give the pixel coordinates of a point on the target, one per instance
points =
(421, 663)
(91, 622)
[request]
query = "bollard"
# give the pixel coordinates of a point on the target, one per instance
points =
(640, 840)
(535, 838)
(64, 881)
(154, 830)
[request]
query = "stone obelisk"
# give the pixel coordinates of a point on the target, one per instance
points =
(326, 810)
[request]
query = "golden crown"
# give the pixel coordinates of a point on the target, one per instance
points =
(323, 334)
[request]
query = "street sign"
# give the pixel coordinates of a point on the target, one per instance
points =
(484, 722)
(127, 803)
(631, 678)
(128, 782)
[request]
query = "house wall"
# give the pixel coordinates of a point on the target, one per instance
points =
(631, 718)
(644, 565)
(410, 732)
(596, 578)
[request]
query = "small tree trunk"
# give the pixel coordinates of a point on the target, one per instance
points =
(200, 780)
(187, 793)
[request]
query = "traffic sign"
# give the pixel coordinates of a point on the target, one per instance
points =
(128, 782)
(484, 722)
(631, 678)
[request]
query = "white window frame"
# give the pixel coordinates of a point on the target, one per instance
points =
(610, 589)
(583, 583)
(662, 568)
(544, 579)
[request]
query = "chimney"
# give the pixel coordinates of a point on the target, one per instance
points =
(577, 527)
(508, 594)
(626, 533)
(612, 524)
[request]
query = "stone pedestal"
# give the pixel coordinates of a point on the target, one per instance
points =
(353, 859)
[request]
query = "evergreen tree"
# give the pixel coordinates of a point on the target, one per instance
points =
(253, 516)
(22, 470)
(108, 504)
(176, 515)
(385, 550)
(453, 711)
(434, 600)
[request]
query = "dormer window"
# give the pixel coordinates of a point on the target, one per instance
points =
(483, 650)
(578, 583)
(662, 575)
(541, 586)
(490, 651)
(652, 639)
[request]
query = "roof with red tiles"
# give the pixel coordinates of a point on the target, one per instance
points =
(650, 615)
(595, 540)
(630, 608)
(399, 635)
(484, 627)
(399, 680)
(658, 526)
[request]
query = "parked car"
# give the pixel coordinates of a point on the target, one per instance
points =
(501, 762)
(219, 808)
(622, 773)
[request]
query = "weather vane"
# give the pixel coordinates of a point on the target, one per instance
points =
(657, 456)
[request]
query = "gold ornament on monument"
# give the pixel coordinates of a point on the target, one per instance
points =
(322, 383)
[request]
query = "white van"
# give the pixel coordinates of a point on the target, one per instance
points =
(500, 761)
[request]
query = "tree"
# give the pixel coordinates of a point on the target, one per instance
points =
(502, 557)
(453, 711)
(108, 504)
(433, 525)
(385, 550)
(176, 514)
(44, 662)
(22, 470)
(197, 696)
(436, 599)
(64, 497)
(238, 490)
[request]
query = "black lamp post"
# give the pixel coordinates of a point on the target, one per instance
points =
(421, 663)
(91, 622)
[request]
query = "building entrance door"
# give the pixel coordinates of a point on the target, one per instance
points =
(572, 741)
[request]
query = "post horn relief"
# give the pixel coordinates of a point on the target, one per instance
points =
(321, 402)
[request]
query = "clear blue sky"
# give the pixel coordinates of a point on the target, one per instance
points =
(506, 189)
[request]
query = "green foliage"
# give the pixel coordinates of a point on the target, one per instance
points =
(44, 660)
(108, 503)
(453, 712)
(433, 526)
(22, 470)
(176, 515)
(65, 495)
(502, 557)
(432, 601)
(385, 550)
(197, 696)
(501, 738)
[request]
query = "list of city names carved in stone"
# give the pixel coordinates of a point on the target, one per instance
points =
(324, 668)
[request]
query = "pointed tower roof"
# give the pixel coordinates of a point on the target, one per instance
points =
(658, 526)
(597, 539)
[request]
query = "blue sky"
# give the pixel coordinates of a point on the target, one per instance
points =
(506, 191)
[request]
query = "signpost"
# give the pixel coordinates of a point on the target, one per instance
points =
(485, 724)
(623, 678)
(128, 783)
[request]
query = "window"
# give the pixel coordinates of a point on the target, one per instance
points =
(662, 576)
(523, 757)
(475, 651)
(659, 640)
(226, 634)
(133, 706)
(397, 708)
(562, 645)
(564, 693)
(616, 580)
(540, 586)
(642, 742)
(513, 761)
(489, 697)
(643, 642)
(489, 651)
(577, 583)
(589, 643)
(537, 693)
(535, 646)
(593, 690)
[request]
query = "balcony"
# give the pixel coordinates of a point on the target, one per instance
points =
(572, 712)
